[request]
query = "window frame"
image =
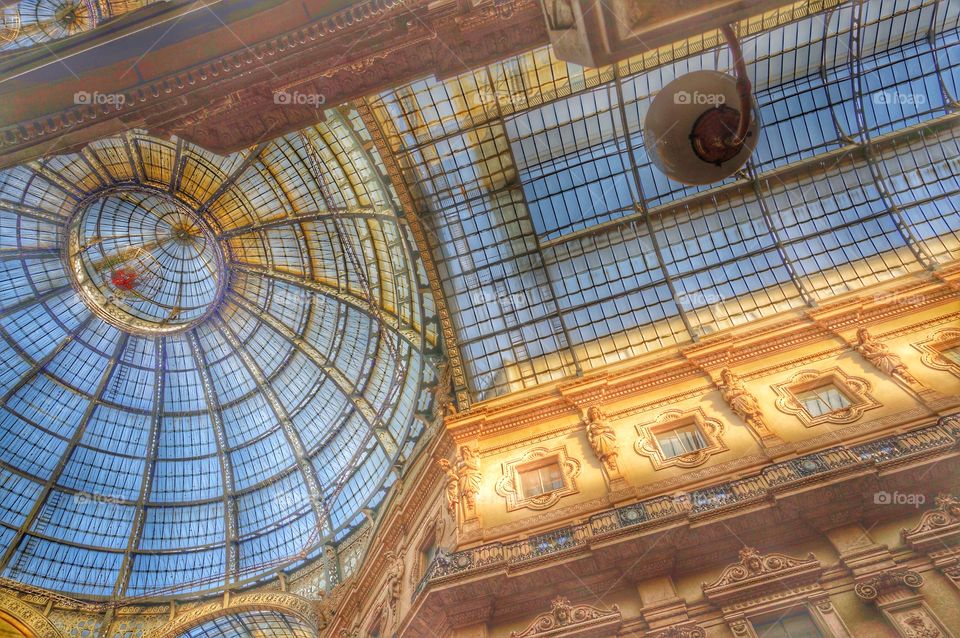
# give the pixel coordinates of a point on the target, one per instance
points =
(510, 484)
(855, 389)
(711, 432)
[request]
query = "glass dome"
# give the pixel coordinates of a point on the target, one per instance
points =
(210, 365)
(29, 22)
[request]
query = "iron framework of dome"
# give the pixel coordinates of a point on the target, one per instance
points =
(211, 366)
(30, 22)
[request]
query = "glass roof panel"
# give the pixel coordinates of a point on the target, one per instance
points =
(252, 624)
(243, 426)
(561, 248)
(30, 22)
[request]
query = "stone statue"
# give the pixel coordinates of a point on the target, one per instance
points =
(742, 402)
(602, 438)
(468, 469)
(880, 356)
(453, 485)
(394, 577)
(443, 392)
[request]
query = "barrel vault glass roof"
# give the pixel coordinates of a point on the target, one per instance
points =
(252, 624)
(147, 463)
(30, 22)
(561, 248)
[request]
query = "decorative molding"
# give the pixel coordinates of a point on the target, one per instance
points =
(509, 485)
(711, 430)
(932, 348)
(918, 625)
(285, 603)
(875, 586)
(649, 380)
(938, 527)
(856, 390)
(686, 630)
(573, 621)
(38, 625)
(757, 575)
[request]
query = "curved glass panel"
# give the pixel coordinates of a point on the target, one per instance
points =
(252, 624)
(208, 365)
(30, 22)
(565, 249)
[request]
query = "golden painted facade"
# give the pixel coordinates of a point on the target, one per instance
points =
(819, 517)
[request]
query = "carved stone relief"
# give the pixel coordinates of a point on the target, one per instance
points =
(569, 620)
(932, 350)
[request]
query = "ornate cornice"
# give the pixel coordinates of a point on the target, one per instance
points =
(875, 586)
(686, 630)
(757, 574)
(938, 527)
(282, 602)
(573, 621)
(740, 346)
(226, 101)
(36, 623)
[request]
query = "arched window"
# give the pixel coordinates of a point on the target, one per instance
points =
(251, 624)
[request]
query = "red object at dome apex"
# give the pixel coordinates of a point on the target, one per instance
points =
(125, 278)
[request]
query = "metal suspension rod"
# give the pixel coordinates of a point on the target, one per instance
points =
(744, 87)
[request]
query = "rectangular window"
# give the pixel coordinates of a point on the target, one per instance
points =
(541, 479)
(823, 400)
(952, 354)
(681, 440)
(797, 625)
(428, 551)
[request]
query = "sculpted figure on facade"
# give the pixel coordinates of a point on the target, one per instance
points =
(394, 577)
(453, 485)
(743, 403)
(443, 402)
(602, 438)
(468, 469)
(879, 355)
